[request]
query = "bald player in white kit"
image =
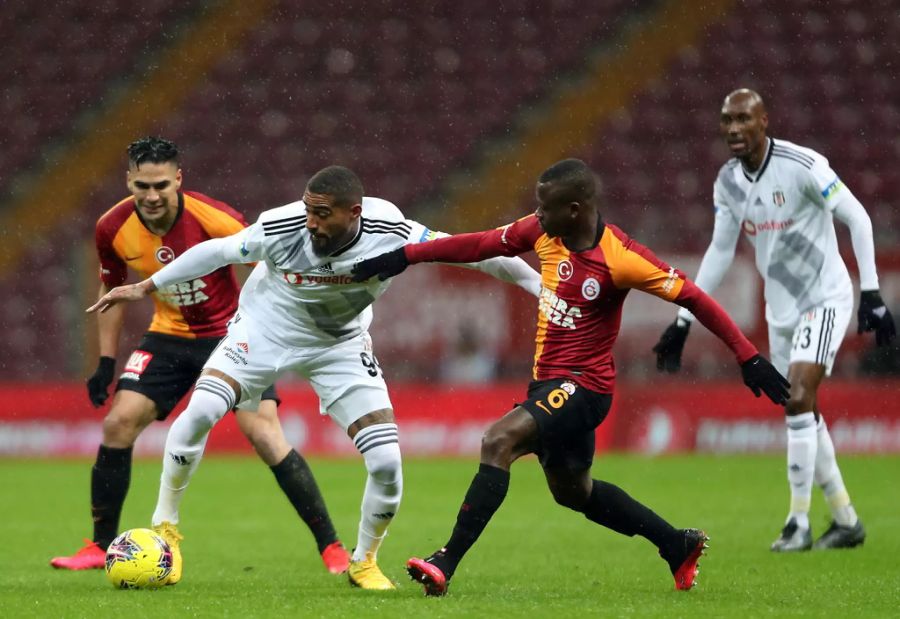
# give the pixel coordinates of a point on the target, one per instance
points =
(784, 198)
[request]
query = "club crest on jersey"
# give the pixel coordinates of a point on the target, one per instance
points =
(165, 255)
(778, 197)
(590, 289)
(564, 270)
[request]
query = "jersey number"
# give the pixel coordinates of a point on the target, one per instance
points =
(371, 364)
(802, 338)
(556, 399)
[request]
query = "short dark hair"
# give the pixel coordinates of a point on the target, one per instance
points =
(338, 182)
(152, 149)
(574, 177)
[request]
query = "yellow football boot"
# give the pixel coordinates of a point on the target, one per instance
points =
(169, 532)
(366, 574)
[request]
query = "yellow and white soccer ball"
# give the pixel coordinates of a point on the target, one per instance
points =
(138, 559)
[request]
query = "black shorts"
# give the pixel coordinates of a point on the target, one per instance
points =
(567, 415)
(165, 367)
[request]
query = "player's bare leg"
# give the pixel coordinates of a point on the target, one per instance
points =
(129, 414)
(296, 480)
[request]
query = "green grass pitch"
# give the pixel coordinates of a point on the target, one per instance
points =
(247, 554)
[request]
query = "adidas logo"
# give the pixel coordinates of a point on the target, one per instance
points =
(179, 459)
(325, 268)
(384, 516)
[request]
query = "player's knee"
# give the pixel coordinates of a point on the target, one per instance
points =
(380, 448)
(571, 495)
(496, 447)
(801, 400)
(570, 499)
(121, 429)
(384, 464)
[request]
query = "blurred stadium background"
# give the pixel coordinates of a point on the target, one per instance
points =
(450, 109)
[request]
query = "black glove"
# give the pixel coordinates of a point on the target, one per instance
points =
(384, 266)
(99, 382)
(668, 349)
(762, 377)
(873, 315)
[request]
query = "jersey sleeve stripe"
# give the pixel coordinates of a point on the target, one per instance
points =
(285, 231)
(386, 222)
(787, 149)
(286, 220)
(291, 224)
(402, 235)
(386, 227)
(808, 166)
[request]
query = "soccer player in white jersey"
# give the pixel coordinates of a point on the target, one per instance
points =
(300, 310)
(784, 197)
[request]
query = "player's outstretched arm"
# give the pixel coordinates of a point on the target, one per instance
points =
(459, 248)
(123, 294)
(512, 270)
(759, 375)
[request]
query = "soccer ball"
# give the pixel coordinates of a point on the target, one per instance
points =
(138, 559)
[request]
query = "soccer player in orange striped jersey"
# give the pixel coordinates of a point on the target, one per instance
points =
(145, 232)
(587, 268)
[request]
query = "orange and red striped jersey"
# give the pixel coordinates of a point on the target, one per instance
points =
(582, 294)
(199, 308)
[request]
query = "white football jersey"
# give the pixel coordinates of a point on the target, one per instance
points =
(785, 211)
(304, 299)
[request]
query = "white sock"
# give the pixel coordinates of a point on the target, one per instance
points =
(211, 400)
(380, 448)
(828, 477)
(801, 463)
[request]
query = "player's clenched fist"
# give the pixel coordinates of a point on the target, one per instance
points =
(130, 292)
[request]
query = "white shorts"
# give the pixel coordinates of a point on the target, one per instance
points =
(815, 339)
(345, 376)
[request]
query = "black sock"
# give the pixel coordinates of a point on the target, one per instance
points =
(612, 507)
(484, 497)
(109, 486)
(297, 481)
